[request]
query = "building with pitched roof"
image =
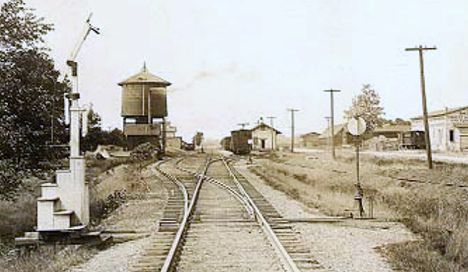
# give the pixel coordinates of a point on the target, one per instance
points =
(391, 131)
(341, 135)
(448, 128)
(264, 137)
(310, 140)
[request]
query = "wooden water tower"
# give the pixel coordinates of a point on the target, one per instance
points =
(144, 108)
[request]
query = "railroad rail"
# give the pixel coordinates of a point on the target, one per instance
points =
(294, 254)
(267, 228)
(222, 206)
(177, 244)
(180, 190)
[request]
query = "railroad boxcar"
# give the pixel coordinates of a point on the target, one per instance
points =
(226, 143)
(240, 141)
(412, 140)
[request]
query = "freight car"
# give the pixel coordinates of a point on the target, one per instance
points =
(412, 140)
(240, 141)
(226, 143)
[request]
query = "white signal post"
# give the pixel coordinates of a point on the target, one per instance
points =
(64, 205)
(74, 96)
(357, 127)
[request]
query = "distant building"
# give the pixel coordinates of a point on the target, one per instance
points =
(391, 131)
(175, 142)
(170, 130)
(264, 137)
(171, 138)
(341, 135)
(448, 128)
(310, 140)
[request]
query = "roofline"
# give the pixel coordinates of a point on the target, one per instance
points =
(441, 114)
(263, 124)
(158, 84)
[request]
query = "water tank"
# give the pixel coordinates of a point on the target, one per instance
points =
(144, 94)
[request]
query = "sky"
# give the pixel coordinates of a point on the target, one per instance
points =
(236, 61)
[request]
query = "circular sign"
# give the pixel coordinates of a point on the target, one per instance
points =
(357, 126)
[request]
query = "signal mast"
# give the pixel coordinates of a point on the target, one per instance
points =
(74, 95)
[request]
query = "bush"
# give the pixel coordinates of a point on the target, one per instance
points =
(10, 179)
(17, 217)
(102, 208)
(419, 256)
(143, 152)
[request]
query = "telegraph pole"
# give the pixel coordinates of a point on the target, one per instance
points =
(272, 132)
(332, 120)
(420, 50)
(292, 128)
(328, 118)
(243, 125)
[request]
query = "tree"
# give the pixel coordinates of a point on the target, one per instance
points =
(397, 121)
(367, 106)
(10, 179)
(31, 95)
(97, 136)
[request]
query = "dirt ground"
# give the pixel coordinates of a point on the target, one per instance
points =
(317, 194)
(131, 224)
(431, 203)
(346, 245)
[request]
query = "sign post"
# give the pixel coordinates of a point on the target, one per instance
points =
(357, 126)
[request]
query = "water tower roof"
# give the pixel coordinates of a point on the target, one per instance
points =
(144, 76)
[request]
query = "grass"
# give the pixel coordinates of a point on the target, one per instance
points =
(435, 212)
(19, 216)
(47, 258)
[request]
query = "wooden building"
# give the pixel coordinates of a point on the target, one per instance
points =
(391, 131)
(448, 128)
(341, 136)
(310, 140)
(264, 137)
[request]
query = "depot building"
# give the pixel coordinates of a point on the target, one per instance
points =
(448, 129)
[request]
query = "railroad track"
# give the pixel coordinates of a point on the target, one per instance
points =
(219, 222)
(180, 188)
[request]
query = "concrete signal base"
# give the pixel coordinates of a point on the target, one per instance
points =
(63, 211)
(64, 204)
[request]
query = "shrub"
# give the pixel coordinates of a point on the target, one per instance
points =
(143, 152)
(102, 208)
(11, 176)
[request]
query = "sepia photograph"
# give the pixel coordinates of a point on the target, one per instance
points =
(243, 136)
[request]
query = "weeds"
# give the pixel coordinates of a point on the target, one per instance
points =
(436, 212)
(20, 216)
(47, 258)
(102, 208)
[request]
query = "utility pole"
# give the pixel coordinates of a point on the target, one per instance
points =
(332, 121)
(164, 139)
(243, 125)
(292, 128)
(420, 50)
(273, 142)
(328, 118)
